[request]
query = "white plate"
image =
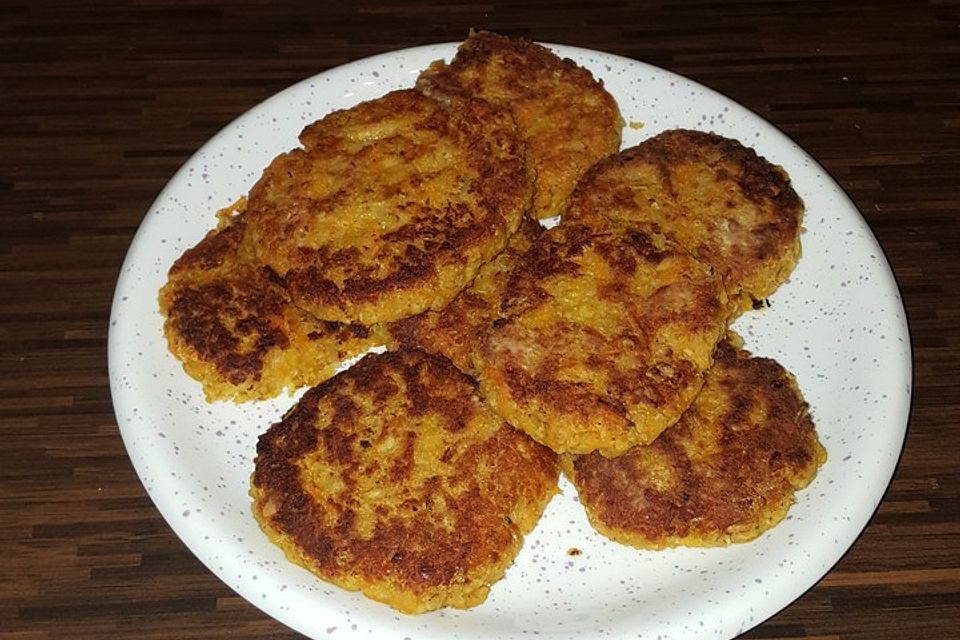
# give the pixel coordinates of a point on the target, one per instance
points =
(838, 325)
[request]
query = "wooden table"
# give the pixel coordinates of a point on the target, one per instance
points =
(101, 102)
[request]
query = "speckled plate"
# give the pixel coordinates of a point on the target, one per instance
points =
(838, 324)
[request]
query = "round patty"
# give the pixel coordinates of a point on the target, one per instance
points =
(726, 472)
(234, 329)
(602, 339)
(393, 478)
(566, 117)
(391, 206)
(712, 195)
(458, 330)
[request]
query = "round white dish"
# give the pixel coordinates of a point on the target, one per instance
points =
(838, 325)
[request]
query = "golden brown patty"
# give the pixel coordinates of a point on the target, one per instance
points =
(234, 329)
(391, 206)
(566, 117)
(603, 339)
(715, 197)
(726, 472)
(395, 479)
(458, 330)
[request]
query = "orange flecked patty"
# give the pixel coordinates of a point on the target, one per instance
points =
(565, 116)
(395, 479)
(726, 472)
(391, 206)
(712, 195)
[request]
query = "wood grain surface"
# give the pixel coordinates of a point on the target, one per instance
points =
(100, 102)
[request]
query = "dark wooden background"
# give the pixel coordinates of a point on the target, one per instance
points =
(100, 102)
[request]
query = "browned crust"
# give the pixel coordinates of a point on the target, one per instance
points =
(196, 315)
(434, 224)
(566, 117)
(716, 197)
(196, 308)
(458, 330)
(233, 326)
(726, 472)
(602, 339)
(445, 525)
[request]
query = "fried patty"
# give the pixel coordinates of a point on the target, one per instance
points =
(458, 330)
(726, 472)
(233, 327)
(391, 206)
(395, 479)
(603, 338)
(717, 198)
(566, 117)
